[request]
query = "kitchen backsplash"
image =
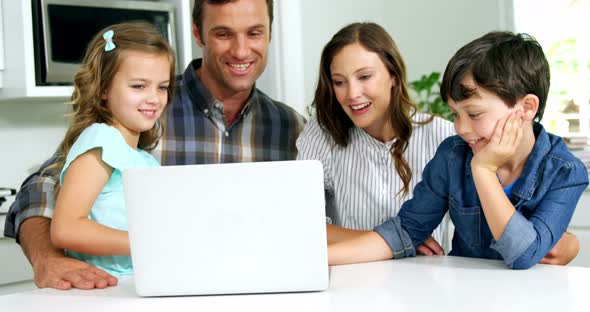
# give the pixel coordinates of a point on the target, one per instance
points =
(29, 134)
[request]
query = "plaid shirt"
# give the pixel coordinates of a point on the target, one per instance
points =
(196, 133)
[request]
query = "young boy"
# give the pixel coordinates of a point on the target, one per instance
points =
(510, 187)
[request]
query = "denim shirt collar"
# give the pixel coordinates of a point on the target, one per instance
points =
(527, 182)
(200, 95)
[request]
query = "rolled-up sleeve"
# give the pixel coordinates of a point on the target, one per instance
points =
(525, 242)
(419, 216)
(518, 235)
(34, 199)
(397, 238)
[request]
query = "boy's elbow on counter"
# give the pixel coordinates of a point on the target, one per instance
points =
(522, 263)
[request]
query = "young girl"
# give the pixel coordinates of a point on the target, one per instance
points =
(510, 187)
(372, 142)
(120, 93)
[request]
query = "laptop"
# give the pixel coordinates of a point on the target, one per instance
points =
(227, 228)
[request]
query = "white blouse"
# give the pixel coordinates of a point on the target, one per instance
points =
(360, 180)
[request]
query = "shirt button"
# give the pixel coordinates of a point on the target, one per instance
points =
(206, 111)
(226, 133)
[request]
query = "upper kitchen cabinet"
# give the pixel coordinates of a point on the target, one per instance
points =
(44, 40)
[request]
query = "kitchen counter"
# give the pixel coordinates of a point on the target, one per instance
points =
(441, 283)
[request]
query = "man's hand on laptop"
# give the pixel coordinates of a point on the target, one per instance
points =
(64, 273)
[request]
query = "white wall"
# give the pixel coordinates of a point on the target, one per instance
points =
(427, 32)
(29, 134)
(321, 20)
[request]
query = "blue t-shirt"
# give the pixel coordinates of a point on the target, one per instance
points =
(508, 189)
(109, 207)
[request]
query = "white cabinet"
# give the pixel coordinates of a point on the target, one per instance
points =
(580, 226)
(19, 72)
(15, 267)
(19, 65)
(185, 44)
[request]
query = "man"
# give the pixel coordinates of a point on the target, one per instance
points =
(216, 116)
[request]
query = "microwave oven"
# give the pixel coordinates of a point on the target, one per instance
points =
(62, 30)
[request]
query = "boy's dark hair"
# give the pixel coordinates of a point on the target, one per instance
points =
(199, 8)
(506, 64)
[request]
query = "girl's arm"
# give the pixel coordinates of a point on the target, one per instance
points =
(70, 228)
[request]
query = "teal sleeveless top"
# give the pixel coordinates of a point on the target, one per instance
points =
(109, 207)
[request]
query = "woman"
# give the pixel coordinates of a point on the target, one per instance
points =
(367, 133)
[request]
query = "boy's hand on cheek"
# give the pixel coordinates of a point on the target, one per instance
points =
(502, 145)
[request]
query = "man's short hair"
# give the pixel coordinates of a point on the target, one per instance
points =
(199, 7)
(506, 64)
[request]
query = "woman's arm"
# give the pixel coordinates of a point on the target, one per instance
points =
(71, 229)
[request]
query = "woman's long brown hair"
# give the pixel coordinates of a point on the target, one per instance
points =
(332, 118)
(96, 73)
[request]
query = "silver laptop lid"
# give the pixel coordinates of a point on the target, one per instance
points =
(227, 228)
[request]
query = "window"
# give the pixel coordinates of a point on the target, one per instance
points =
(561, 27)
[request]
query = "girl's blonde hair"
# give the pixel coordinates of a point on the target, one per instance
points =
(95, 76)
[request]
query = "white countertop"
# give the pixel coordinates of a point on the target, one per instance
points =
(414, 284)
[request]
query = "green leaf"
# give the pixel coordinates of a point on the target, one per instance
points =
(429, 100)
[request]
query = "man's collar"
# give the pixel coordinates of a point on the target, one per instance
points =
(191, 78)
(200, 96)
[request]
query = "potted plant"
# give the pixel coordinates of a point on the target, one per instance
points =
(428, 96)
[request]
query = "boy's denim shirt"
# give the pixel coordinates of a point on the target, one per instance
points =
(545, 196)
